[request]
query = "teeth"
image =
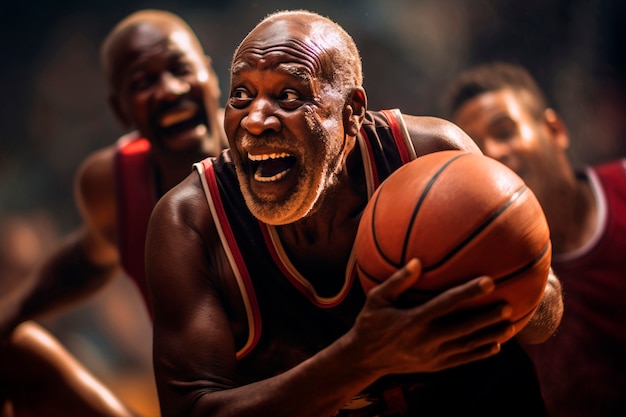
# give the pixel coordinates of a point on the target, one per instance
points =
(276, 177)
(175, 117)
(266, 156)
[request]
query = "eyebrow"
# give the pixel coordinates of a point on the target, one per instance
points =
(239, 67)
(300, 71)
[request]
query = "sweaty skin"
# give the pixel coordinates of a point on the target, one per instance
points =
(287, 105)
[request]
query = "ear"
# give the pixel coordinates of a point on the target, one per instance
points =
(116, 107)
(354, 111)
(556, 128)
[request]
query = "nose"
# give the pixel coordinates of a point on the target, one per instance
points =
(171, 87)
(260, 117)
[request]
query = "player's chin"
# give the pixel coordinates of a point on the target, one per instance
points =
(278, 215)
(190, 138)
(267, 210)
(278, 208)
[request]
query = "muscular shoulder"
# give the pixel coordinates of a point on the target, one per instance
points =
(97, 167)
(184, 206)
(432, 134)
(180, 242)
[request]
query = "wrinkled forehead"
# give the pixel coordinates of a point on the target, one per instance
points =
(287, 43)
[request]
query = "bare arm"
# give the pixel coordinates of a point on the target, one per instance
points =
(63, 386)
(194, 348)
(83, 262)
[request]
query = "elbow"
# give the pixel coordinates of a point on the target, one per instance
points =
(547, 317)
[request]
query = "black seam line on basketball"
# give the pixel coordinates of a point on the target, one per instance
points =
(417, 207)
(498, 280)
(479, 229)
(373, 225)
(525, 267)
(370, 276)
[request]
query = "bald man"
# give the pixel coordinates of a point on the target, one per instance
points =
(165, 93)
(250, 266)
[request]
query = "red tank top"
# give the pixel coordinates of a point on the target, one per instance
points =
(582, 368)
(136, 197)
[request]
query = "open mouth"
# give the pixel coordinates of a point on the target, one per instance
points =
(180, 120)
(271, 166)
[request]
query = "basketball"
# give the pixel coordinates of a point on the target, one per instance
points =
(463, 215)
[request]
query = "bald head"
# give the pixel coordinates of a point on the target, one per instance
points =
(152, 24)
(339, 59)
(160, 81)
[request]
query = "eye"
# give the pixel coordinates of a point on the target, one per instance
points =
(240, 97)
(141, 82)
(504, 130)
(289, 99)
(182, 68)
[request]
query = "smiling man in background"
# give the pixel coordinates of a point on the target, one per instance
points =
(164, 91)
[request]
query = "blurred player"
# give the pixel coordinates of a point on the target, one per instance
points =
(582, 369)
(164, 90)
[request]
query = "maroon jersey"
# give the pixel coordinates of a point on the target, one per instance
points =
(290, 320)
(136, 196)
(582, 368)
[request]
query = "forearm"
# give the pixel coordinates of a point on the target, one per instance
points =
(62, 383)
(548, 315)
(194, 348)
(317, 387)
(66, 276)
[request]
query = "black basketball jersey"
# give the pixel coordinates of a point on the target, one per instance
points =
(289, 320)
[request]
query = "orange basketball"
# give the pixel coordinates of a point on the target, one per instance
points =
(463, 215)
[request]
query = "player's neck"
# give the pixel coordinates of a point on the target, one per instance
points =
(329, 231)
(572, 216)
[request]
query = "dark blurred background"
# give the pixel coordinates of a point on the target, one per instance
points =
(54, 112)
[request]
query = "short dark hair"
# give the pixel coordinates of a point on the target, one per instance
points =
(489, 77)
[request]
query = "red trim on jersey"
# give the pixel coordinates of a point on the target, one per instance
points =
(234, 248)
(295, 281)
(136, 197)
(398, 136)
(375, 177)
